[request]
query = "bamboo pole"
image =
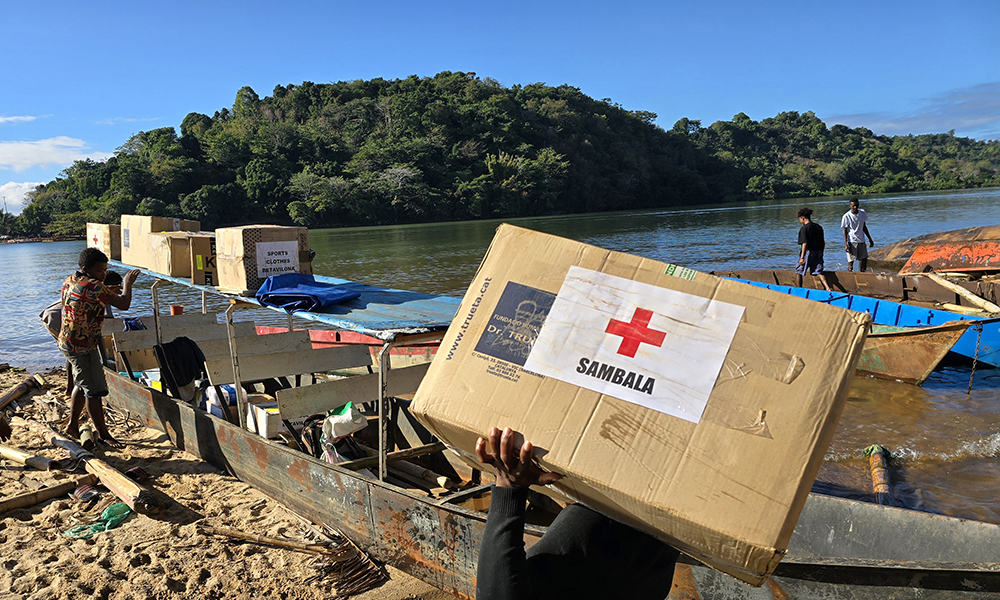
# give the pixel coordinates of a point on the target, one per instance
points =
(33, 498)
(961, 291)
(24, 458)
(139, 498)
(21, 389)
(877, 456)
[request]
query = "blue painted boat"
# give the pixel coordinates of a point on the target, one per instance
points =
(981, 341)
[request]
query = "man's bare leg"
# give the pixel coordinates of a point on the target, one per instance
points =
(95, 408)
(76, 404)
(826, 285)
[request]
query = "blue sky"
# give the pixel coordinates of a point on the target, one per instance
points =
(79, 78)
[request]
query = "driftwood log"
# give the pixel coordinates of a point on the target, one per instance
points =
(27, 459)
(879, 467)
(33, 498)
(21, 389)
(138, 497)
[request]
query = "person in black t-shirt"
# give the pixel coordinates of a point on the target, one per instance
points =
(811, 244)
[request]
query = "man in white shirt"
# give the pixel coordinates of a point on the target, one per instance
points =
(854, 224)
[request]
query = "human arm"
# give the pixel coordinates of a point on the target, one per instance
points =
(871, 242)
(802, 254)
(503, 572)
(847, 243)
(124, 301)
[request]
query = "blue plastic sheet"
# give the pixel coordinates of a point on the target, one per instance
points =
(297, 292)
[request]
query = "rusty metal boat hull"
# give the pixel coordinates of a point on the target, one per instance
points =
(840, 548)
(967, 256)
(908, 354)
(894, 256)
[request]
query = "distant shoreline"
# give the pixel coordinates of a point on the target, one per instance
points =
(32, 240)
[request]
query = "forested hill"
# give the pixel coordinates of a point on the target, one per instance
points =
(455, 146)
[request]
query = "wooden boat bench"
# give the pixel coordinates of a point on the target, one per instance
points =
(133, 349)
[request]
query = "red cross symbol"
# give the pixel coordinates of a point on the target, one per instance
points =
(636, 332)
(95, 239)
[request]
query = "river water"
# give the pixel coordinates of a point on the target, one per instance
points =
(947, 442)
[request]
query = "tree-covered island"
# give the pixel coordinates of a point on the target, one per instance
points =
(455, 146)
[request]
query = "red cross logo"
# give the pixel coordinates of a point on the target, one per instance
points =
(95, 239)
(636, 332)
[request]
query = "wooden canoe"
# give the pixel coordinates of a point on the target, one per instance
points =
(908, 354)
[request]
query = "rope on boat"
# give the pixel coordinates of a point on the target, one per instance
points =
(975, 357)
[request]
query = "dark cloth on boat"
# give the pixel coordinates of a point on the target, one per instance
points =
(294, 291)
(584, 554)
(185, 360)
(811, 234)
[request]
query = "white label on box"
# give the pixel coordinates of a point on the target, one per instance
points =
(276, 258)
(648, 345)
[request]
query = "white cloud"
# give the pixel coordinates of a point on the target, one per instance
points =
(13, 194)
(59, 151)
(971, 112)
(117, 120)
(22, 119)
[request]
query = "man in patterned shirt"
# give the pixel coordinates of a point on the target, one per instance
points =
(84, 297)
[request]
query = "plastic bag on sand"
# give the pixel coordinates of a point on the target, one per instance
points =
(109, 519)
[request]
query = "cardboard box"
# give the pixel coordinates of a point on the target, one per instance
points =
(269, 423)
(106, 238)
(694, 408)
(169, 253)
(135, 230)
(250, 254)
(204, 265)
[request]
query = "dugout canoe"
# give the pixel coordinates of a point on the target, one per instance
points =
(981, 342)
(841, 549)
(908, 354)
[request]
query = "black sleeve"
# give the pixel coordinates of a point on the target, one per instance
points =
(802, 235)
(502, 572)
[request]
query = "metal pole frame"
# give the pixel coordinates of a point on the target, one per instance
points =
(384, 367)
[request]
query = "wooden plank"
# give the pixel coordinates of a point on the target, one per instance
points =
(127, 341)
(117, 325)
(311, 399)
(257, 344)
(269, 366)
(964, 293)
(372, 461)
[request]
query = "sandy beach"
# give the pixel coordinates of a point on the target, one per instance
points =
(161, 556)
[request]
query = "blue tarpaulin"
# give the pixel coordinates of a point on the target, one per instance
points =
(380, 312)
(294, 291)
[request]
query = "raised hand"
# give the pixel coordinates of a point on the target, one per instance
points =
(515, 467)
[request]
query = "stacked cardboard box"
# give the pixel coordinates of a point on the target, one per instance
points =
(203, 262)
(106, 238)
(694, 408)
(137, 249)
(248, 255)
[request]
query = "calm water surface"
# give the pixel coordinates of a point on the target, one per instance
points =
(947, 442)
